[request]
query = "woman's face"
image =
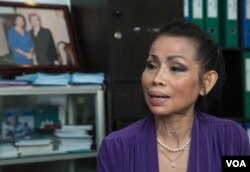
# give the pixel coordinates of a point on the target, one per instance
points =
(170, 81)
(19, 21)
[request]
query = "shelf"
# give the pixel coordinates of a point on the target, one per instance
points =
(46, 158)
(40, 90)
(77, 105)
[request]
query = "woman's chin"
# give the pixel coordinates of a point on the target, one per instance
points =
(159, 112)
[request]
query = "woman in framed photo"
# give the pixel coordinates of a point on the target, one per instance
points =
(20, 42)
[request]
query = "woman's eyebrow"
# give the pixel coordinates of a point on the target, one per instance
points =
(173, 57)
(168, 58)
(153, 56)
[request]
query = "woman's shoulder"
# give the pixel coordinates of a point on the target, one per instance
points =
(229, 136)
(214, 120)
(224, 127)
(135, 129)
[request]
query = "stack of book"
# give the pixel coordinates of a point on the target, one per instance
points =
(58, 79)
(45, 79)
(7, 150)
(87, 78)
(75, 138)
(34, 147)
(12, 82)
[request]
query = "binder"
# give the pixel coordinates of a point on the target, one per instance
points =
(230, 23)
(246, 23)
(196, 12)
(186, 10)
(211, 15)
(246, 56)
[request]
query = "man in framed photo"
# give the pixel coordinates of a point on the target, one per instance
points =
(45, 49)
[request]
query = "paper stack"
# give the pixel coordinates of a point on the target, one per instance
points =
(87, 78)
(63, 78)
(75, 138)
(34, 147)
(7, 150)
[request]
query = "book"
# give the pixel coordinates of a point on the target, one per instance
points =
(246, 23)
(246, 72)
(35, 142)
(196, 12)
(35, 150)
(186, 9)
(78, 134)
(45, 79)
(229, 23)
(76, 127)
(47, 116)
(75, 138)
(71, 131)
(74, 148)
(87, 78)
(34, 147)
(212, 19)
(12, 82)
(75, 144)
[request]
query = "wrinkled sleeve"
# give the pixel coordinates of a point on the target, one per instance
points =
(105, 163)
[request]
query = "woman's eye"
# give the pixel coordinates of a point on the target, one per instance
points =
(178, 69)
(150, 66)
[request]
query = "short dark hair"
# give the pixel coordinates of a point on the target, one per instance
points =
(34, 15)
(208, 55)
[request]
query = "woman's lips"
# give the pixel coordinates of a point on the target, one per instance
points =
(158, 99)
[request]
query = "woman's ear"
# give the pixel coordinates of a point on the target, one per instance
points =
(209, 80)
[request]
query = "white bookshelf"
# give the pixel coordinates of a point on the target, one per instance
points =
(77, 105)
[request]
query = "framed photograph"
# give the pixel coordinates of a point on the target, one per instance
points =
(17, 123)
(36, 38)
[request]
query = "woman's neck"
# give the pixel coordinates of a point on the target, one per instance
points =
(174, 130)
(20, 30)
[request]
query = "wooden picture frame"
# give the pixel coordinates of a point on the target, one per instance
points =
(36, 38)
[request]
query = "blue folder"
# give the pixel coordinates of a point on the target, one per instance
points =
(186, 10)
(246, 23)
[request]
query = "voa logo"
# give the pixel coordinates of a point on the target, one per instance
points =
(236, 163)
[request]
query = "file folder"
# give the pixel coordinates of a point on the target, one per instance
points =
(246, 56)
(211, 15)
(186, 11)
(230, 23)
(246, 23)
(196, 12)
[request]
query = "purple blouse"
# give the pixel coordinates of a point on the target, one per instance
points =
(134, 148)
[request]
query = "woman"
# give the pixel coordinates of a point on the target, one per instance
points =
(184, 67)
(20, 42)
(45, 49)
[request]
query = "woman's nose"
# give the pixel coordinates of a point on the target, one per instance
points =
(159, 78)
